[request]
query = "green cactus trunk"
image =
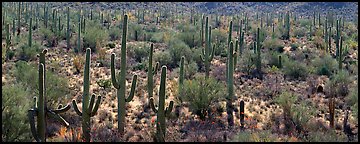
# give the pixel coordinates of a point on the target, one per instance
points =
(30, 34)
(181, 78)
(326, 37)
(120, 84)
(88, 108)
(68, 29)
(337, 39)
(161, 111)
(258, 51)
(13, 28)
(7, 36)
(151, 72)
(40, 109)
(230, 84)
(340, 53)
(19, 17)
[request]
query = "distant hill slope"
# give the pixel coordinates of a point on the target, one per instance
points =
(346, 9)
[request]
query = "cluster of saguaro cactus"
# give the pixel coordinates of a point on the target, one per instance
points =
(88, 107)
(40, 110)
(161, 111)
(120, 83)
(230, 84)
(207, 54)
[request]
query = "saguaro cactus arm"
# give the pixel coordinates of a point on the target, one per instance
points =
(58, 118)
(31, 114)
(62, 109)
(96, 107)
(132, 91)
(76, 108)
(169, 109)
(113, 75)
(152, 105)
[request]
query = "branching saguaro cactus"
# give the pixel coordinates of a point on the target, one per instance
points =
(151, 72)
(161, 111)
(88, 108)
(206, 56)
(230, 84)
(40, 110)
(120, 84)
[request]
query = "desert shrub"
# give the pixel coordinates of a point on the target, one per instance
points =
(177, 49)
(102, 59)
(190, 69)
(104, 83)
(196, 52)
(94, 37)
(294, 46)
(319, 42)
(325, 65)
(15, 104)
(115, 33)
(138, 52)
(304, 22)
(326, 136)
(56, 86)
(273, 44)
(338, 84)
(111, 45)
(163, 57)
(131, 31)
(299, 32)
(301, 115)
(218, 36)
(78, 62)
(219, 72)
(259, 136)
(157, 37)
(190, 38)
(273, 59)
(286, 101)
(247, 61)
(49, 36)
(295, 69)
(27, 53)
(201, 94)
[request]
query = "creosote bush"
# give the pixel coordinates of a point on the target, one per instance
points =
(295, 69)
(16, 100)
(325, 65)
(202, 93)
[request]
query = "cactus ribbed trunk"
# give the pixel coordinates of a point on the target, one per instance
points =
(68, 29)
(120, 83)
(30, 34)
(41, 106)
(207, 54)
(161, 111)
(230, 84)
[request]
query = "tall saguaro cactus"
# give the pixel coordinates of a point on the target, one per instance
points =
(230, 84)
(151, 72)
(88, 108)
(30, 34)
(68, 29)
(161, 111)
(181, 78)
(40, 110)
(120, 84)
(206, 56)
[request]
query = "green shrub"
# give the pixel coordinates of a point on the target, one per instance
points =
(301, 114)
(138, 52)
(94, 37)
(115, 33)
(177, 49)
(247, 61)
(201, 94)
(295, 69)
(16, 101)
(190, 38)
(157, 37)
(327, 136)
(325, 65)
(273, 44)
(294, 46)
(50, 37)
(258, 136)
(56, 86)
(338, 84)
(273, 59)
(299, 32)
(286, 100)
(26, 53)
(163, 57)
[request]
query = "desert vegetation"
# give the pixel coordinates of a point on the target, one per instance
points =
(179, 72)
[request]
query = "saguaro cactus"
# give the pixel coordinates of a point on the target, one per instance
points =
(40, 110)
(7, 36)
(340, 57)
(30, 34)
(120, 84)
(181, 78)
(151, 72)
(88, 108)
(206, 56)
(161, 111)
(230, 84)
(242, 111)
(68, 29)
